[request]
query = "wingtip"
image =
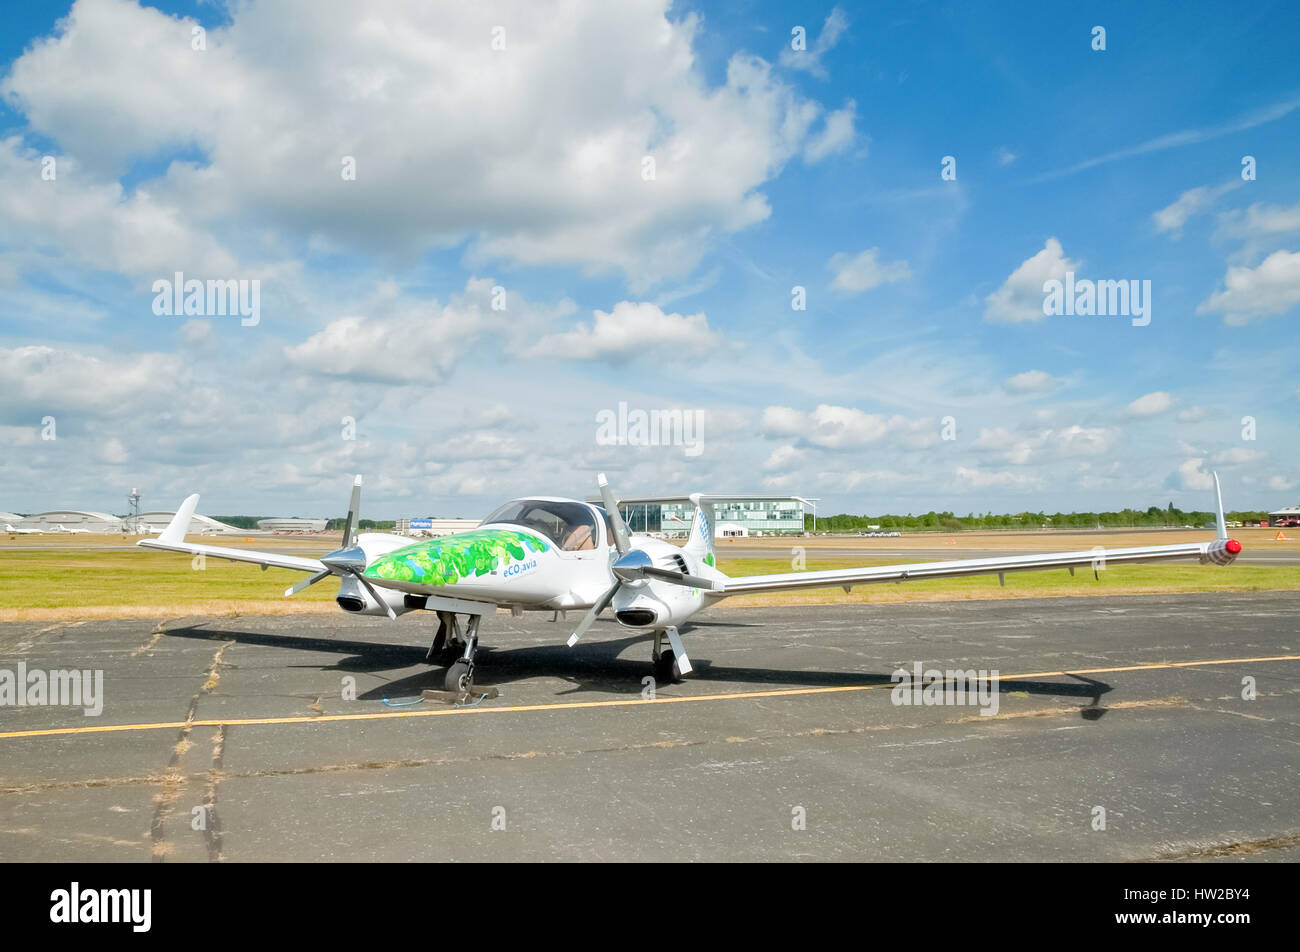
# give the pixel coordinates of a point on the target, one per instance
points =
(601, 480)
(357, 481)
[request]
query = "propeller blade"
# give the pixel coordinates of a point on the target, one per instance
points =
(590, 618)
(365, 583)
(307, 583)
(678, 578)
(350, 526)
(611, 507)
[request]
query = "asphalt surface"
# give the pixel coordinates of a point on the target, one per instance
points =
(788, 717)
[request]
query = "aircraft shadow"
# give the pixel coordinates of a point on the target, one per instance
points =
(595, 666)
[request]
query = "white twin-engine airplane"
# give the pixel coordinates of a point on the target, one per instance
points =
(553, 554)
(14, 530)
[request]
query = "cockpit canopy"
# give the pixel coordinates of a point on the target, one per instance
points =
(570, 525)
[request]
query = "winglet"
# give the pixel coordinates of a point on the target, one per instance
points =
(174, 534)
(1218, 498)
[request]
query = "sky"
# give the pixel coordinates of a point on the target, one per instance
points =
(468, 233)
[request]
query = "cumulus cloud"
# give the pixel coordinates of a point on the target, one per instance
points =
(835, 136)
(1151, 404)
(863, 271)
(409, 343)
(1031, 381)
(1005, 156)
(49, 380)
(532, 154)
(1020, 448)
(783, 457)
(98, 224)
(1192, 475)
(1021, 296)
(835, 428)
(1269, 289)
(1281, 484)
(632, 329)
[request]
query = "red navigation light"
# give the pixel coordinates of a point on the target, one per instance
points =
(1233, 546)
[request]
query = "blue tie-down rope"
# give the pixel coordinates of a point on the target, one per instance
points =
(389, 703)
(420, 700)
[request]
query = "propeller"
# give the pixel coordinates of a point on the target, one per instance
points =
(349, 559)
(632, 565)
(615, 517)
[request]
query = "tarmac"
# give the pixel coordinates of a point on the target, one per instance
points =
(1121, 734)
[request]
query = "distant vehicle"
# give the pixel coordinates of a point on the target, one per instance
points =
(881, 535)
(16, 531)
(66, 529)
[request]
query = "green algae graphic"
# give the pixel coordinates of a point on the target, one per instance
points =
(447, 561)
(708, 558)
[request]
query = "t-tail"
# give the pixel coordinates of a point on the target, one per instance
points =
(700, 543)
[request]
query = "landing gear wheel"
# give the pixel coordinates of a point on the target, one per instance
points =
(666, 670)
(460, 676)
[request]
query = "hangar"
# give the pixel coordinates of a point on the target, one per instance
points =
(294, 524)
(72, 519)
(1289, 516)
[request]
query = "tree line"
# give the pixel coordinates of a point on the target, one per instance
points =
(1154, 517)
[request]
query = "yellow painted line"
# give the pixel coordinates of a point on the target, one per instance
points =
(577, 705)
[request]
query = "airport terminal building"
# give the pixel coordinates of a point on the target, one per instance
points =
(734, 517)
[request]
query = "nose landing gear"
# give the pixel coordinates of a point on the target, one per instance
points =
(670, 665)
(455, 650)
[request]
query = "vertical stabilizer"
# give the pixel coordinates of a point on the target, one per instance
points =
(700, 543)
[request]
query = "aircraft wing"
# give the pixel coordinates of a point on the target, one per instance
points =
(172, 539)
(1219, 551)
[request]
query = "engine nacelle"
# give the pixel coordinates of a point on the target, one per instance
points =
(653, 603)
(354, 598)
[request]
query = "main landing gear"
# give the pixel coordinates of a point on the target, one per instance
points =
(456, 650)
(671, 664)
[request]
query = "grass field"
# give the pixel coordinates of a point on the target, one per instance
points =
(57, 581)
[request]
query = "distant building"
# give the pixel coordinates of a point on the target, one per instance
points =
(72, 520)
(736, 516)
(10, 517)
(291, 525)
(1285, 517)
(434, 527)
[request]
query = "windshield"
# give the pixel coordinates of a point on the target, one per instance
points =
(570, 525)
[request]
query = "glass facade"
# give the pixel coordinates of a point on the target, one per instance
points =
(775, 516)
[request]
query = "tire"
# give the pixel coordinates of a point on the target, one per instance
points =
(459, 676)
(665, 668)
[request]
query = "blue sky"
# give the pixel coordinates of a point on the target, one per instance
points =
(520, 168)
